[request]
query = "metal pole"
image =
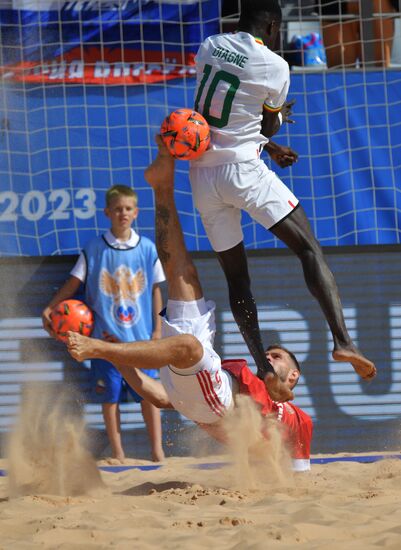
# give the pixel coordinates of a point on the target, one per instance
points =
(368, 37)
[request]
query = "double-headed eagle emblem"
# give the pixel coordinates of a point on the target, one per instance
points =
(124, 287)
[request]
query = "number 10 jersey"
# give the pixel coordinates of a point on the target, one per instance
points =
(237, 77)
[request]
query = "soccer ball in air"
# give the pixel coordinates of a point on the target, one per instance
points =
(71, 315)
(186, 134)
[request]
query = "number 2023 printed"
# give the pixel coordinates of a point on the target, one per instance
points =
(59, 204)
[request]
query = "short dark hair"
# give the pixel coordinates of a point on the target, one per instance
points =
(253, 11)
(120, 191)
(294, 359)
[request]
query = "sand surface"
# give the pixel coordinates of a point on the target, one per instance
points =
(338, 505)
(342, 504)
(56, 496)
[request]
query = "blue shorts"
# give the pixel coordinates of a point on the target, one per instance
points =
(108, 385)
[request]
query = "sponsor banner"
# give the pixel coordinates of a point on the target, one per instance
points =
(150, 68)
(130, 42)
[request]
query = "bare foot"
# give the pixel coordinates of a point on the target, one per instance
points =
(158, 456)
(80, 347)
(362, 366)
(278, 391)
(161, 172)
(115, 460)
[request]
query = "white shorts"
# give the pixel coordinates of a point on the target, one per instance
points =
(203, 392)
(221, 192)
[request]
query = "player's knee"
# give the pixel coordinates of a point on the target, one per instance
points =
(191, 351)
(161, 401)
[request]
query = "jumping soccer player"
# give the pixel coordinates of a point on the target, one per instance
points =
(242, 90)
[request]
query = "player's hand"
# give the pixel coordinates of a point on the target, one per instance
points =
(284, 156)
(286, 112)
(47, 321)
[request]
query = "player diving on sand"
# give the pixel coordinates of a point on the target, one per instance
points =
(194, 381)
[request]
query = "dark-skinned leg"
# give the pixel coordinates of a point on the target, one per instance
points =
(235, 266)
(296, 233)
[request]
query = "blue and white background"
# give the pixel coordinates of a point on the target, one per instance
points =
(65, 141)
(62, 143)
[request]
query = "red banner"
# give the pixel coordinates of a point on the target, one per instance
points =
(92, 66)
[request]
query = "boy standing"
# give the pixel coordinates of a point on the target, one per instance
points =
(121, 272)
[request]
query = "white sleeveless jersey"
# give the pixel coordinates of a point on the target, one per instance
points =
(237, 76)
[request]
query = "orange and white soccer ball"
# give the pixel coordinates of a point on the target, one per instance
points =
(72, 315)
(186, 134)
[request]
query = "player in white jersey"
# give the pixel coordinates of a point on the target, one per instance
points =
(242, 87)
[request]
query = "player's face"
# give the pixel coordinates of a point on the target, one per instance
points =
(122, 211)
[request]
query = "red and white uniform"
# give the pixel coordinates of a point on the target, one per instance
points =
(203, 392)
(298, 425)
